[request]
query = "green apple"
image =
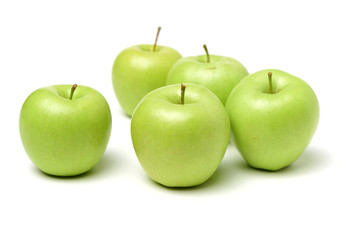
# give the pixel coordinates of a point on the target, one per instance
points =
(274, 116)
(65, 130)
(218, 73)
(138, 70)
(180, 140)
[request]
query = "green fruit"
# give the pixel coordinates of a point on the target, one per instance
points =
(65, 134)
(140, 69)
(218, 73)
(180, 145)
(272, 124)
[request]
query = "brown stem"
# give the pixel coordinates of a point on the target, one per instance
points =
(72, 91)
(183, 87)
(155, 43)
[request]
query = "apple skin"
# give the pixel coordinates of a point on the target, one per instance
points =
(138, 70)
(271, 131)
(220, 75)
(180, 145)
(65, 137)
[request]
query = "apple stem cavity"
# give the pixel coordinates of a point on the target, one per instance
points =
(183, 87)
(72, 91)
(207, 53)
(270, 82)
(155, 43)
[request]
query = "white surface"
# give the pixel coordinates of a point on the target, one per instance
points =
(44, 43)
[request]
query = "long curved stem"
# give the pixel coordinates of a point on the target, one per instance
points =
(207, 53)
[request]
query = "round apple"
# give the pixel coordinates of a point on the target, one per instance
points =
(65, 130)
(180, 139)
(274, 116)
(218, 73)
(138, 70)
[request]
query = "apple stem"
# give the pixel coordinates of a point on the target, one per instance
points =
(206, 52)
(270, 82)
(183, 87)
(72, 91)
(155, 43)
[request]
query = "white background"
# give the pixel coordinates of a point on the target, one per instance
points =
(44, 43)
